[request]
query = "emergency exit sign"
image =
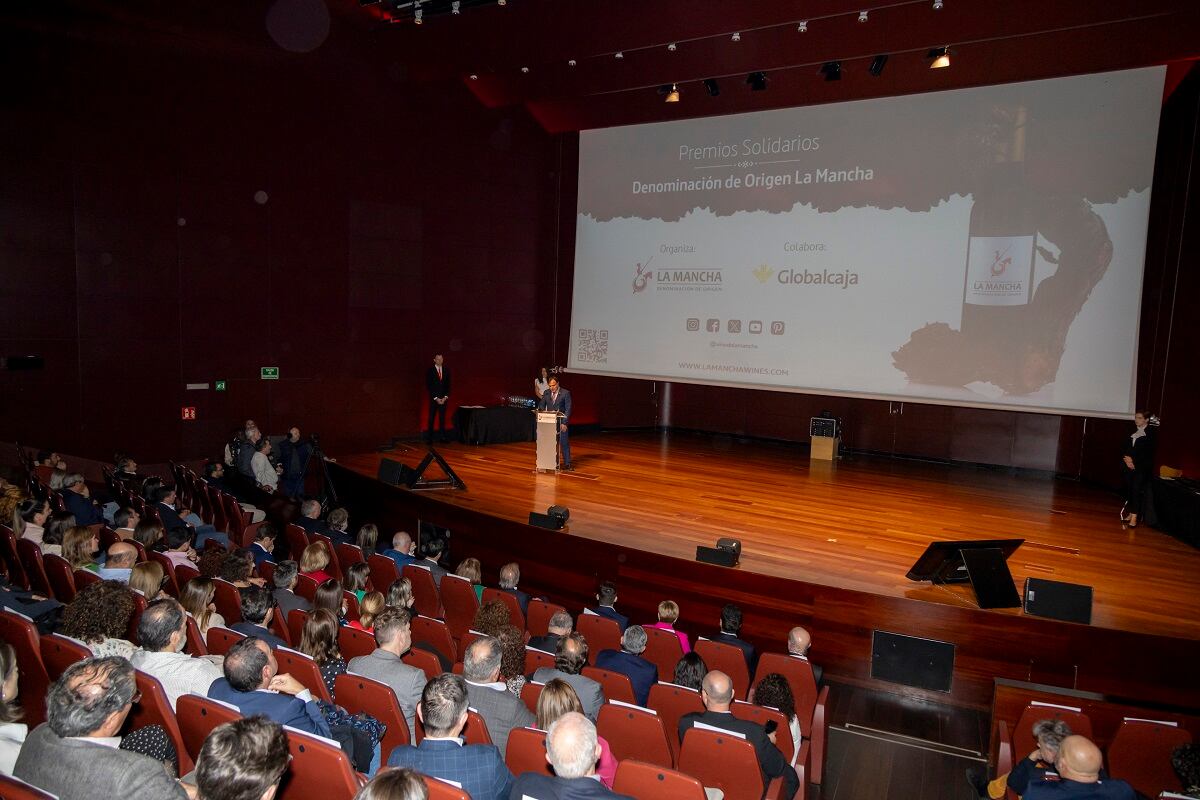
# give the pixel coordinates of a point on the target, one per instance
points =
(269, 373)
(187, 412)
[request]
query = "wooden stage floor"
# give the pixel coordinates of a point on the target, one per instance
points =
(858, 524)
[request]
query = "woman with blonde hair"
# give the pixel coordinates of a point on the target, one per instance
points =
(472, 570)
(369, 608)
(147, 579)
(199, 600)
(557, 699)
(313, 562)
(394, 784)
(400, 594)
(668, 615)
(79, 548)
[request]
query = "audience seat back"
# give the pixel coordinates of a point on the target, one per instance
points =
(349, 555)
(8, 549)
(799, 676)
(672, 703)
(1140, 754)
(426, 600)
(84, 578)
(235, 518)
(761, 715)
(108, 537)
(219, 640)
(434, 633)
(602, 633)
(16, 789)
(531, 692)
(635, 733)
(728, 659)
(196, 716)
(61, 577)
(536, 659)
(515, 615)
(155, 709)
(440, 790)
(297, 541)
(351, 600)
(31, 561)
(526, 752)
(475, 731)
(195, 642)
(540, 612)
(352, 642)
(304, 669)
(319, 768)
(171, 586)
(33, 683)
(306, 587)
(383, 571)
(362, 695)
(617, 685)
(663, 650)
(220, 521)
(722, 761)
(458, 598)
(467, 639)
(228, 600)
(423, 660)
(139, 606)
(1023, 741)
(295, 623)
(644, 781)
(59, 652)
(279, 627)
(184, 573)
(266, 571)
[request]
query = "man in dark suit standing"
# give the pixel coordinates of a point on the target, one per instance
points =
(437, 384)
(628, 661)
(572, 749)
(558, 399)
(717, 694)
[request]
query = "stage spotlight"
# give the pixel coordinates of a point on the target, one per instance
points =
(877, 65)
(757, 81)
(711, 86)
(940, 56)
(737, 37)
(802, 27)
(832, 70)
(672, 95)
(862, 16)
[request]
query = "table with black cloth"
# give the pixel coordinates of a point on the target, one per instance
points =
(494, 424)
(1177, 506)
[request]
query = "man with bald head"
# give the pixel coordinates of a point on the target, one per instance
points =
(797, 645)
(717, 694)
(119, 563)
(1079, 765)
(403, 550)
(572, 748)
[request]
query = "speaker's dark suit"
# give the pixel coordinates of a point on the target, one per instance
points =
(437, 386)
(560, 402)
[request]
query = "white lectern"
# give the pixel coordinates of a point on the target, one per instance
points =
(547, 441)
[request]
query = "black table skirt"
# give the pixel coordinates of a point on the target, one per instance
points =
(1178, 509)
(494, 425)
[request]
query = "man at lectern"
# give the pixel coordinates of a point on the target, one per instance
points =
(558, 399)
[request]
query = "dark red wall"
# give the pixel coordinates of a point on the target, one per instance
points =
(399, 221)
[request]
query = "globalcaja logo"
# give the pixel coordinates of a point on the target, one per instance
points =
(642, 276)
(1001, 262)
(763, 273)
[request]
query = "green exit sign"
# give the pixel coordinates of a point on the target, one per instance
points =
(219, 385)
(269, 373)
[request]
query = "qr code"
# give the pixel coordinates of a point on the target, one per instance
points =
(593, 346)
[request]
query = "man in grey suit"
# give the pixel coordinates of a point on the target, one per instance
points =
(501, 709)
(569, 661)
(393, 639)
(285, 585)
(432, 551)
(75, 753)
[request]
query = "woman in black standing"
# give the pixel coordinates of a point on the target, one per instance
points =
(1138, 467)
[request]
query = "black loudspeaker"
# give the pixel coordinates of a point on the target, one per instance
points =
(546, 521)
(1070, 602)
(16, 363)
(731, 544)
(720, 556)
(559, 512)
(923, 663)
(394, 473)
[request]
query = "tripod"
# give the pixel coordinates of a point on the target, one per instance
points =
(328, 494)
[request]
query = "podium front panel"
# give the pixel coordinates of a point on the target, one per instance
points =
(547, 441)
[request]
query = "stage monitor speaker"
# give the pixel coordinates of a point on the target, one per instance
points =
(1070, 602)
(733, 545)
(559, 512)
(390, 471)
(720, 556)
(546, 521)
(923, 663)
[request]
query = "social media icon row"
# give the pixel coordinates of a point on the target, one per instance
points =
(755, 326)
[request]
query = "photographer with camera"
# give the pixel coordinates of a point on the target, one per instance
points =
(294, 454)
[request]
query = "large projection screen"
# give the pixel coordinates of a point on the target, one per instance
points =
(971, 247)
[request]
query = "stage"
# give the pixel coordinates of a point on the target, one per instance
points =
(828, 543)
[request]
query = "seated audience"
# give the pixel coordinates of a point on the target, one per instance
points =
(12, 730)
(29, 517)
(57, 480)
(265, 474)
(211, 561)
(668, 615)
(99, 617)
(569, 661)
(478, 768)
(285, 583)
(606, 600)
(319, 641)
(368, 536)
(55, 531)
(491, 617)
(628, 661)
(79, 753)
(501, 709)
(179, 547)
(431, 552)
(80, 547)
(338, 527)
(400, 594)
(731, 626)
(45, 463)
(690, 672)
(310, 517)
(393, 639)
(126, 470)
(147, 579)
(162, 632)
(717, 694)
(510, 576)
(126, 520)
(150, 534)
(165, 501)
(573, 750)
(1080, 767)
(258, 607)
(242, 760)
(214, 475)
(394, 784)
(402, 551)
(198, 598)
(1048, 733)
(472, 570)
(253, 683)
(372, 604)
(78, 499)
(557, 699)
(798, 643)
(263, 546)
(357, 577)
(314, 561)
(560, 625)
(773, 691)
(238, 569)
(329, 595)
(512, 660)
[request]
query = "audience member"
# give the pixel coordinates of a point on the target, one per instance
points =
(1185, 759)
(773, 691)
(393, 639)
(165, 500)
(179, 547)
(400, 594)
(149, 534)
(478, 768)
(339, 526)
(431, 552)
(501, 709)
(126, 470)
(319, 642)
(214, 476)
(572, 748)
(285, 583)
(248, 446)
(80, 547)
(394, 784)
(367, 538)
(55, 531)
(10, 499)
(557, 699)
(147, 579)
(668, 615)
(606, 600)
(238, 569)
(628, 661)
(264, 473)
(371, 606)
(242, 760)
(99, 617)
(79, 753)
(402, 551)
(28, 518)
(330, 595)
(1079, 765)
(12, 730)
(569, 661)
(258, 608)
(162, 633)
(510, 576)
(294, 454)
(491, 617)
(472, 570)
(731, 626)
(211, 561)
(690, 671)
(57, 479)
(263, 546)
(1048, 733)
(717, 694)
(198, 598)
(798, 643)
(512, 659)
(313, 562)
(560, 625)
(253, 683)
(310, 517)
(78, 499)
(126, 520)
(357, 577)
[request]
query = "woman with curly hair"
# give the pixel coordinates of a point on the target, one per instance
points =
(198, 598)
(99, 617)
(239, 570)
(211, 560)
(512, 659)
(773, 691)
(79, 548)
(491, 617)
